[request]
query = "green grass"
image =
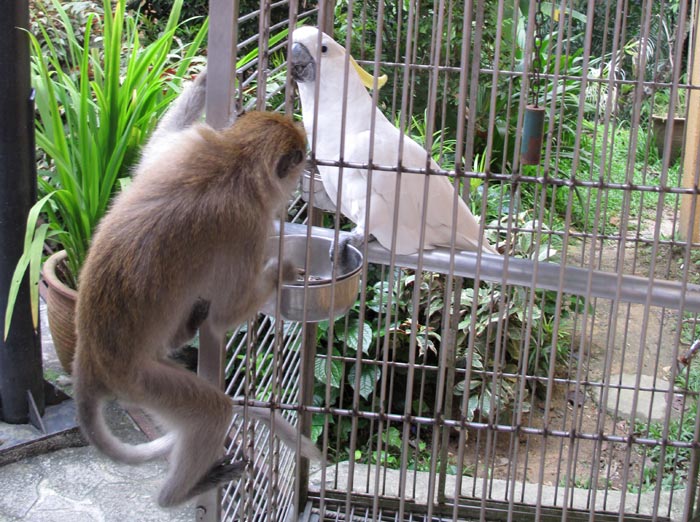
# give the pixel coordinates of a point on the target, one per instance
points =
(670, 465)
(610, 156)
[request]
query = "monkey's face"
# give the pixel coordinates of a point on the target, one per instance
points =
(285, 146)
(290, 164)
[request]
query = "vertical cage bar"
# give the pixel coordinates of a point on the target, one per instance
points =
(222, 51)
(306, 398)
(210, 366)
(223, 36)
(20, 353)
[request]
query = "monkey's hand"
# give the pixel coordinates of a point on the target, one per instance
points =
(224, 470)
(291, 273)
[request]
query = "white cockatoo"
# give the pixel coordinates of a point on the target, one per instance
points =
(307, 50)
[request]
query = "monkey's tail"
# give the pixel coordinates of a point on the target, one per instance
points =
(95, 429)
(283, 430)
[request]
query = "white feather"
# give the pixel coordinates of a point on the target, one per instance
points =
(330, 65)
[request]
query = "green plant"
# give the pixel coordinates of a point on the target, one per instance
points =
(663, 102)
(667, 464)
(48, 24)
(335, 373)
(690, 328)
(93, 115)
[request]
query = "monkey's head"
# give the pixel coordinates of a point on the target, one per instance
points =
(278, 143)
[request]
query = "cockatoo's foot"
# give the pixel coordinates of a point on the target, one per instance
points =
(355, 238)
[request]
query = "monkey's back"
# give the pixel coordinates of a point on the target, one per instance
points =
(190, 226)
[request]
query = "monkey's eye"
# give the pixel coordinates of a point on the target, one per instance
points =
(296, 157)
(324, 48)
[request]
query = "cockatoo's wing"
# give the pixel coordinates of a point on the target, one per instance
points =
(383, 190)
(441, 205)
(359, 189)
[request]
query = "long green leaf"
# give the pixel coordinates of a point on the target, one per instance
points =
(32, 237)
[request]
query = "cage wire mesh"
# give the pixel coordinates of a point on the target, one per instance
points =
(553, 381)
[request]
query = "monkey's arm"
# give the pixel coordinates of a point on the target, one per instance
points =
(270, 276)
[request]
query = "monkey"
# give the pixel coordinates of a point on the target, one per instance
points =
(182, 249)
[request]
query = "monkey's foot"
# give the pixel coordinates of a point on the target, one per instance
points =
(223, 471)
(356, 238)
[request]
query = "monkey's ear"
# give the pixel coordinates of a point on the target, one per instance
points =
(288, 161)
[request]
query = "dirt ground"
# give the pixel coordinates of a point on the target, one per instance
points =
(640, 342)
(554, 460)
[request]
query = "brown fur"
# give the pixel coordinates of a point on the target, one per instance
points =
(183, 246)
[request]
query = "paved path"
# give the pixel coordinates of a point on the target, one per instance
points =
(80, 484)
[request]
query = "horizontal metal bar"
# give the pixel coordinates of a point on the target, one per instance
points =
(470, 508)
(547, 276)
(505, 177)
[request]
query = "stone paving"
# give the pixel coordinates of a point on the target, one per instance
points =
(78, 484)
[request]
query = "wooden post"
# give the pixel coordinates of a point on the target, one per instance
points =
(690, 204)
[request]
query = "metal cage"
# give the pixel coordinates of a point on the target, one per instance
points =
(554, 381)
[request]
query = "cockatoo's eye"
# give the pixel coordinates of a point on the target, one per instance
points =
(324, 49)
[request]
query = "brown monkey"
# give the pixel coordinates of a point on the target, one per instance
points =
(182, 248)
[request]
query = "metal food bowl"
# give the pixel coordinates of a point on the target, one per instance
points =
(317, 294)
(321, 198)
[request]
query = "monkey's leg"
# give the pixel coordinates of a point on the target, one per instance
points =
(187, 330)
(199, 414)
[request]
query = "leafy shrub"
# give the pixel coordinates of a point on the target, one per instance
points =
(154, 14)
(58, 27)
(508, 309)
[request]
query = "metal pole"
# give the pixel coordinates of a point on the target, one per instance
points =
(306, 398)
(20, 355)
(223, 37)
(221, 60)
(210, 366)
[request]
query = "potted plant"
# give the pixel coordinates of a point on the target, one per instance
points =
(96, 104)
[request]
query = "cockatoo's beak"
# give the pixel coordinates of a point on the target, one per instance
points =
(303, 64)
(304, 68)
